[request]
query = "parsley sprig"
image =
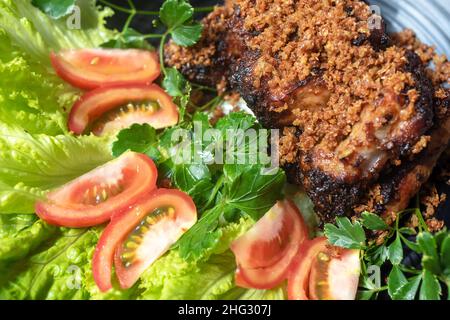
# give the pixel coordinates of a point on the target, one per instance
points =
(223, 193)
(404, 282)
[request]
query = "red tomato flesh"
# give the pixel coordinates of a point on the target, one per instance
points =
(298, 279)
(265, 252)
(96, 196)
(136, 238)
(109, 109)
(93, 68)
(335, 275)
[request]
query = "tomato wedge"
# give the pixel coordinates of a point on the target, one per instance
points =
(335, 275)
(93, 68)
(108, 109)
(264, 253)
(95, 197)
(136, 238)
(298, 279)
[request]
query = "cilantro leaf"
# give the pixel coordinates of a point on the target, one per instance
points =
(395, 251)
(373, 222)
(430, 289)
(55, 9)
(345, 234)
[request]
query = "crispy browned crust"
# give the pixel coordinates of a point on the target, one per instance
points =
(383, 143)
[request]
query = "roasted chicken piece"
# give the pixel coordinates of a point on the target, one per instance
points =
(354, 104)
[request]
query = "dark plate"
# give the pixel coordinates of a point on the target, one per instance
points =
(429, 19)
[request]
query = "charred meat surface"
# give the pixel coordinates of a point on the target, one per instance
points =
(352, 101)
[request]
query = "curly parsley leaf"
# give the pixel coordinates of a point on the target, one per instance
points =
(55, 9)
(177, 17)
(373, 222)
(345, 234)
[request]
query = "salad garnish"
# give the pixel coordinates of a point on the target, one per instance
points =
(95, 205)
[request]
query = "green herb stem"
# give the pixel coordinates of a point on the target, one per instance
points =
(409, 270)
(161, 52)
(216, 189)
(213, 102)
(152, 36)
(205, 88)
(128, 22)
(383, 288)
(145, 12)
(422, 223)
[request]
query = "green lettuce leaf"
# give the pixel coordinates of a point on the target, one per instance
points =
(21, 234)
(173, 278)
(36, 34)
(30, 97)
(57, 270)
(30, 165)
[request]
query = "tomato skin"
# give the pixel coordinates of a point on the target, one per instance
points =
(63, 207)
(121, 226)
(335, 275)
(94, 104)
(93, 68)
(263, 256)
(299, 273)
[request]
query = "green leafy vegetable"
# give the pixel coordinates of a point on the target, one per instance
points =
(137, 138)
(430, 289)
(55, 9)
(428, 247)
(174, 83)
(373, 222)
(177, 17)
(403, 289)
(26, 238)
(130, 38)
(30, 97)
(55, 271)
(212, 277)
(36, 34)
(395, 251)
(30, 164)
(345, 234)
